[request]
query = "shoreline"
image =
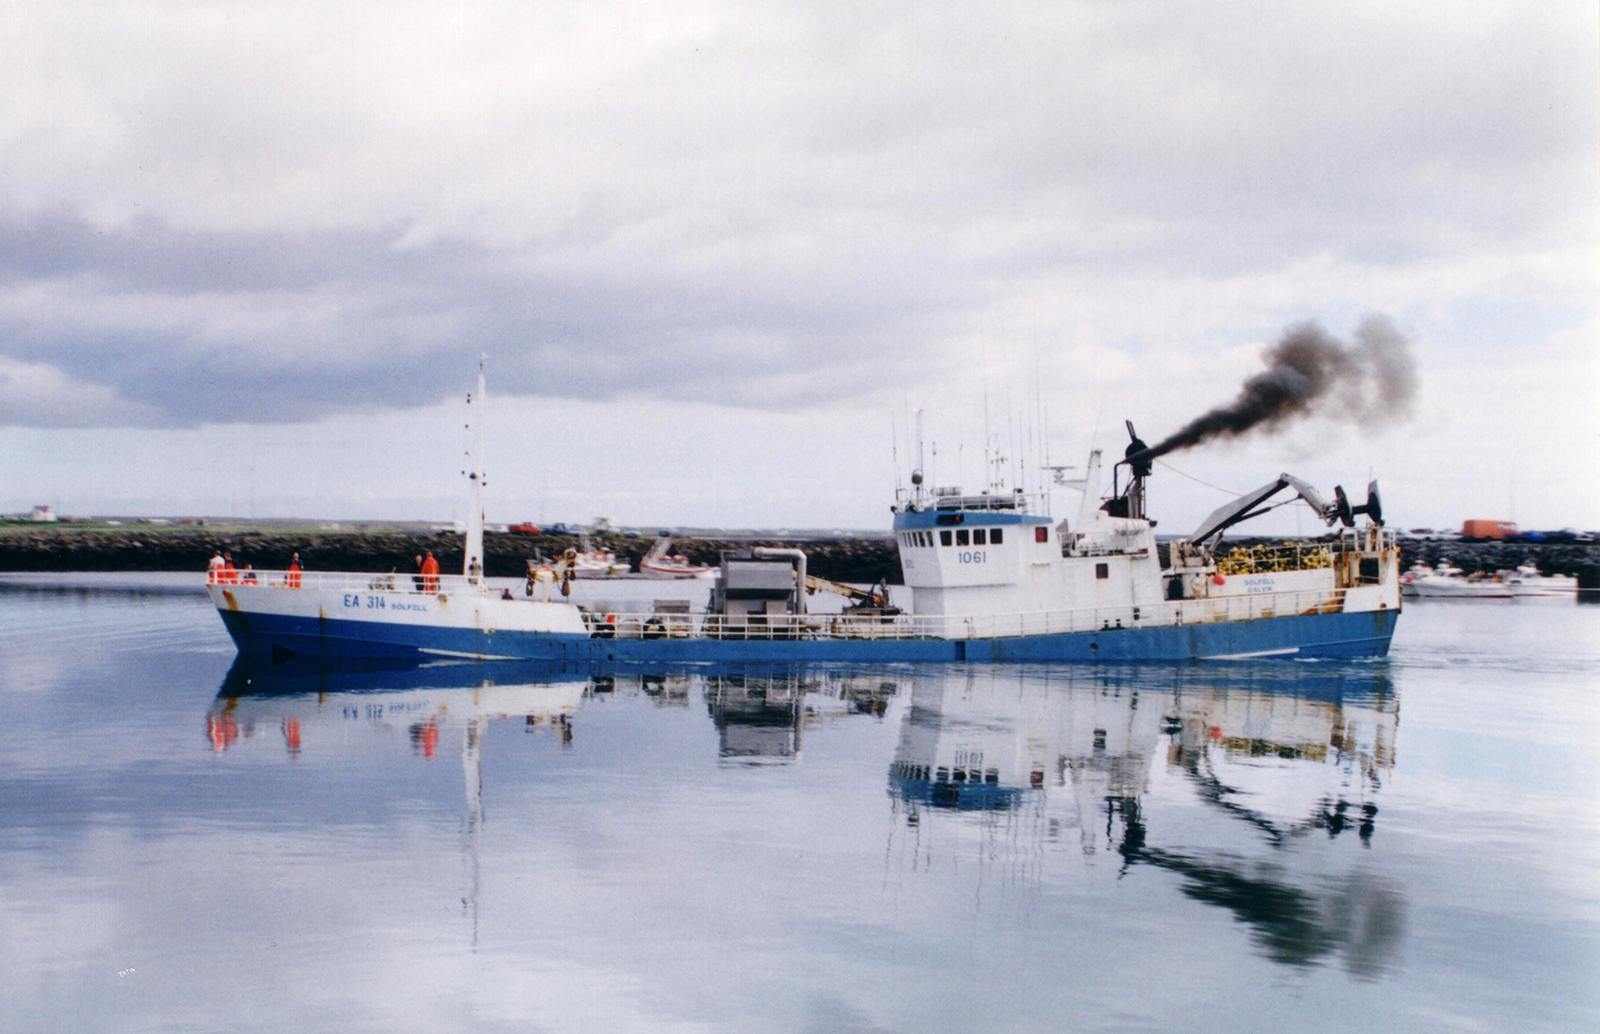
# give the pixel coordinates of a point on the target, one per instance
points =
(859, 560)
(505, 555)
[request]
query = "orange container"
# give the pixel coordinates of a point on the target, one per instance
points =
(1488, 529)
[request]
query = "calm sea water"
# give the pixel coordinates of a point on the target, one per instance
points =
(188, 843)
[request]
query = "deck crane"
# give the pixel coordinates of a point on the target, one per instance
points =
(876, 597)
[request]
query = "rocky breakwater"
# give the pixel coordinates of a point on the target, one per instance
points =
(867, 559)
(863, 560)
(1576, 558)
(189, 549)
(162, 548)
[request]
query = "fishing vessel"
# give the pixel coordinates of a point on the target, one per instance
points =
(991, 577)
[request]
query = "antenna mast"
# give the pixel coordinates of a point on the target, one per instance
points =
(917, 475)
(475, 475)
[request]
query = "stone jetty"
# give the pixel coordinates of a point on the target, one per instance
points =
(167, 548)
(862, 559)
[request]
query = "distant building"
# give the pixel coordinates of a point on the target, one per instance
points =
(43, 514)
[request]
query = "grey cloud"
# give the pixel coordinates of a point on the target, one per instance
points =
(760, 211)
(409, 325)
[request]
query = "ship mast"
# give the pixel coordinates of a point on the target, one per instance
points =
(475, 474)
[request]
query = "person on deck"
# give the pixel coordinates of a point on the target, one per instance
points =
(214, 568)
(475, 571)
(294, 572)
(228, 575)
(416, 579)
(430, 574)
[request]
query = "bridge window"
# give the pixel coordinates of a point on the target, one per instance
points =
(979, 537)
(962, 538)
(1102, 570)
(994, 536)
(944, 537)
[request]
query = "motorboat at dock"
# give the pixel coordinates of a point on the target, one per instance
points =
(658, 563)
(1450, 582)
(1446, 580)
(1526, 580)
(592, 562)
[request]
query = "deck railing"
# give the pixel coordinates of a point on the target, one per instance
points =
(845, 625)
(348, 581)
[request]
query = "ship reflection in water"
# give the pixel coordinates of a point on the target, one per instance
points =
(1274, 762)
(1255, 789)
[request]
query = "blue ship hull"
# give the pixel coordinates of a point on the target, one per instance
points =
(1364, 634)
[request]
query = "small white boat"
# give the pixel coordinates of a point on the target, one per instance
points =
(1408, 580)
(1527, 581)
(592, 562)
(658, 563)
(1447, 580)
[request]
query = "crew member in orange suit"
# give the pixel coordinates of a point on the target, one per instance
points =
(430, 574)
(294, 572)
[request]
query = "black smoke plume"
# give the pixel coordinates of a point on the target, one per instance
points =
(1309, 372)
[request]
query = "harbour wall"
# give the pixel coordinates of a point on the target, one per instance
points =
(863, 559)
(162, 548)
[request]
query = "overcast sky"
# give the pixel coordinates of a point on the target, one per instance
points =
(716, 253)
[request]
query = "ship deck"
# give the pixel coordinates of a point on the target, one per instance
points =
(269, 614)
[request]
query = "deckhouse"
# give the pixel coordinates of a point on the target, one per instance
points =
(991, 554)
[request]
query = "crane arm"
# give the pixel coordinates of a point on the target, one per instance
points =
(870, 597)
(1245, 507)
